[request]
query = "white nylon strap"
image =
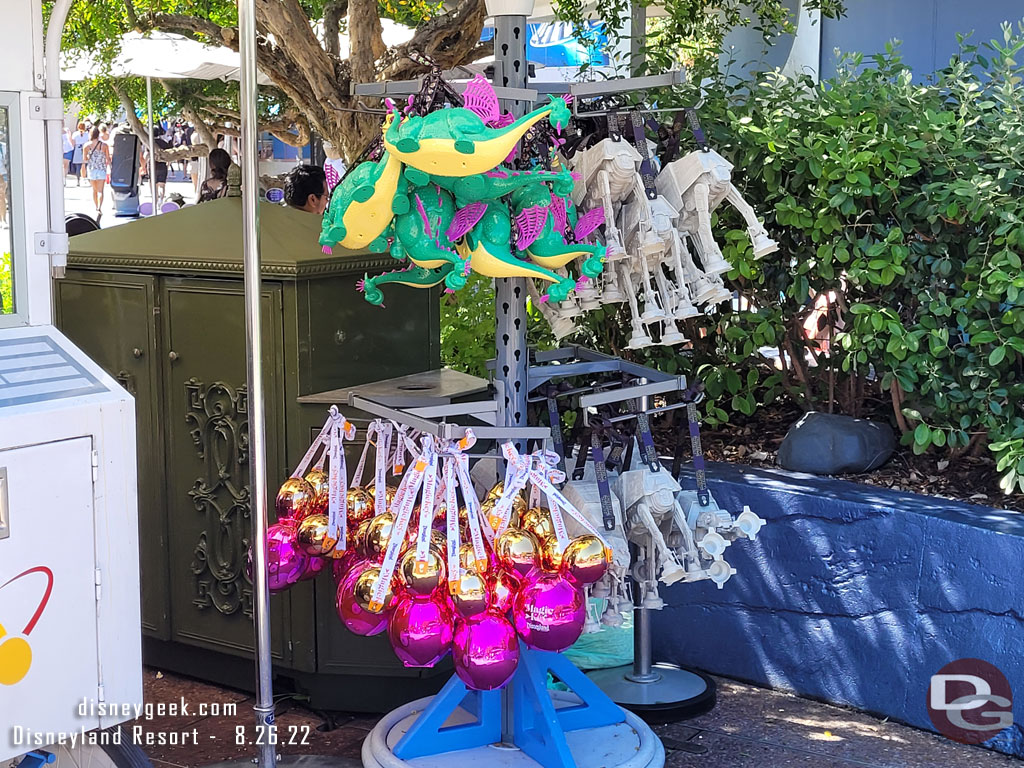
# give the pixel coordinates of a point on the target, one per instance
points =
(426, 510)
(534, 497)
(546, 463)
(476, 519)
(405, 500)
(398, 459)
(319, 440)
(558, 500)
(516, 475)
(371, 432)
(452, 531)
(337, 479)
(380, 478)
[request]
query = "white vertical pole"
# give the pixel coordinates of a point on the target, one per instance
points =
(152, 152)
(54, 148)
(249, 156)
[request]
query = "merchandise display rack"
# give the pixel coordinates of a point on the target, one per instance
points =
(525, 723)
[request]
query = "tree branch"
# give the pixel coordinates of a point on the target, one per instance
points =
(194, 27)
(308, 71)
(128, 104)
(133, 17)
(366, 41)
(448, 39)
(271, 61)
(286, 20)
(334, 12)
(281, 129)
(897, 406)
(206, 136)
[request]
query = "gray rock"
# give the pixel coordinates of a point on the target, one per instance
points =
(831, 444)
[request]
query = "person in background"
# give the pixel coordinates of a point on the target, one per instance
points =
(69, 153)
(175, 137)
(305, 188)
(80, 138)
(107, 137)
(97, 163)
(217, 184)
(190, 162)
(159, 142)
(334, 166)
(193, 167)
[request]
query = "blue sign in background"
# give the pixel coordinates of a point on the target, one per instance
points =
(553, 44)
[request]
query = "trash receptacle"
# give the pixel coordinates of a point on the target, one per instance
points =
(159, 304)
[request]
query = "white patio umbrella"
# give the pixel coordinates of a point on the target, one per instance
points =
(160, 55)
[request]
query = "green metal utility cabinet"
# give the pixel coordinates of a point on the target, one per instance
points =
(159, 304)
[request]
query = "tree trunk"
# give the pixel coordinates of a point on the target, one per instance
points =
(315, 79)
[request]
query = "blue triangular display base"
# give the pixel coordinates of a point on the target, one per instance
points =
(429, 735)
(539, 727)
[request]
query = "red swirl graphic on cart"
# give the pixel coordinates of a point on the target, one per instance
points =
(15, 650)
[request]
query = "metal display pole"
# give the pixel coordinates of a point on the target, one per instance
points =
(643, 643)
(511, 354)
(672, 692)
(264, 706)
(152, 153)
(510, 71)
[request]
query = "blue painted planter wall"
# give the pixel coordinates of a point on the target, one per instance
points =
(855, 595)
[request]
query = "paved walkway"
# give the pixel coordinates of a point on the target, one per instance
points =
(78, 199)
(749, 727)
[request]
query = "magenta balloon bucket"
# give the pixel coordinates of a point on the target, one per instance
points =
(486, 651)
(549, 611)
(286, 563)
(420, 630)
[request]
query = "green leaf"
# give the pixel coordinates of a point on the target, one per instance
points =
(922, 435)
(742, 405)
(997, 355)
(732, 381)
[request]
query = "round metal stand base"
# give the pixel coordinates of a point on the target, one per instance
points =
(631, 744)
(676, 694)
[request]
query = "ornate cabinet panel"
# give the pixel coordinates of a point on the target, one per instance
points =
(159, 304)
(114, 318)
(206, 414)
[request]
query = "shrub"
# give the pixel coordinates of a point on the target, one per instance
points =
(902, 203)
(468, 327)
(899, 209)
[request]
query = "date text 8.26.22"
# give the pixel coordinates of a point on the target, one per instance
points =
(295, 735)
